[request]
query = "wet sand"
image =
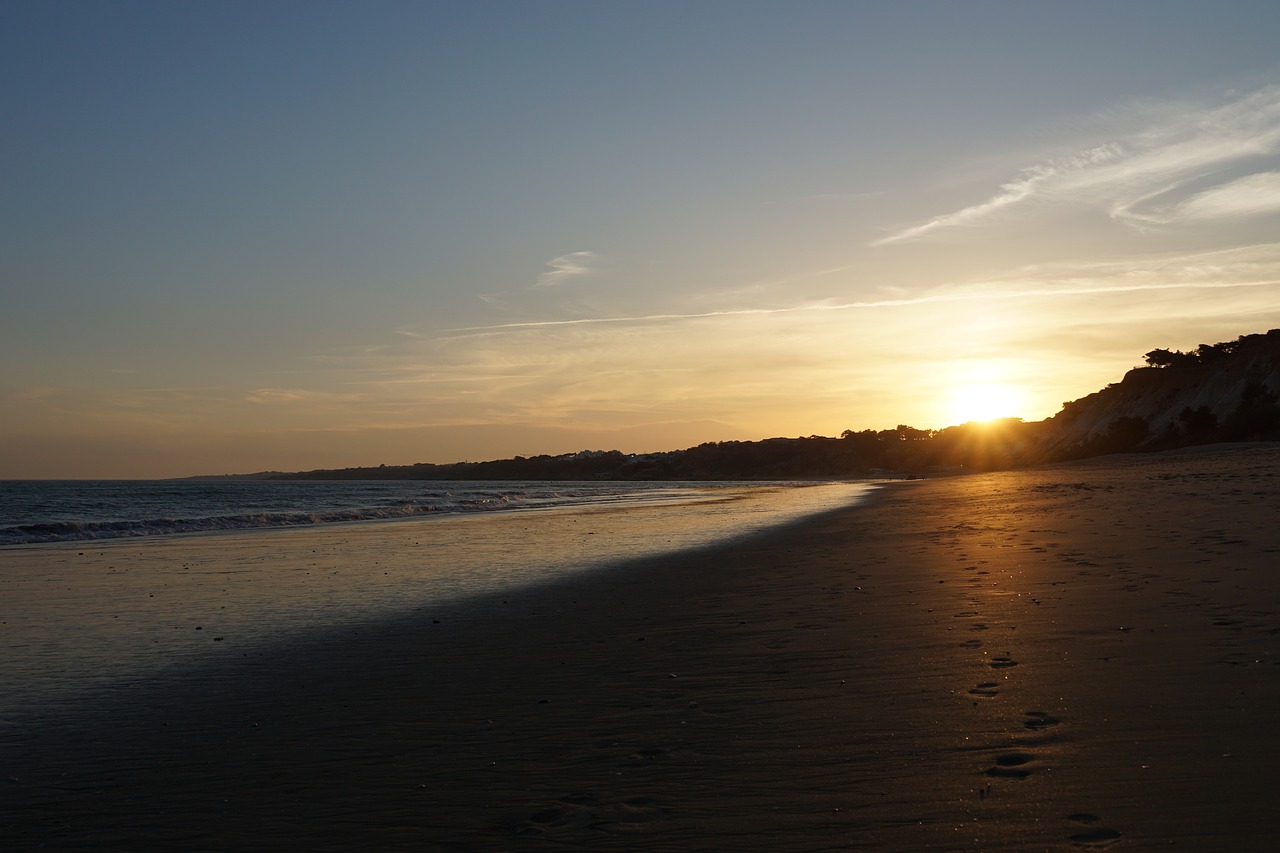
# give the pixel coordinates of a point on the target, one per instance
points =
(1071, 657)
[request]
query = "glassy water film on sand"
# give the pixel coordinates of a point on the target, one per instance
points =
(116, 609)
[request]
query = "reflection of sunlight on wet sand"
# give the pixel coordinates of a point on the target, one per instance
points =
(94, 613)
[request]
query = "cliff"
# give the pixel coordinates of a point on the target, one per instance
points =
(1218, 392)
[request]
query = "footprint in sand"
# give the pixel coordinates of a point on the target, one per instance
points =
(583, 810)
(1039, 720)
(643, 756)
(1099, 837)
(565, 811)
(986, 688)
(1002, 662)
(1012, 765)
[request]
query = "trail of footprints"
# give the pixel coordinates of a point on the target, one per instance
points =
(1018, 763)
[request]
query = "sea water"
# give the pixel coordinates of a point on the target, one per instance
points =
(115, 584)
(69, 510)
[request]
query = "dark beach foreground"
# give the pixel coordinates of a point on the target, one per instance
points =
(1072, 657)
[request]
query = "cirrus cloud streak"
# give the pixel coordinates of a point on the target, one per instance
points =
(561, 269)
(1188, 164)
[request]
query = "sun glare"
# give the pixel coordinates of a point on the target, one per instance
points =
(984, 402)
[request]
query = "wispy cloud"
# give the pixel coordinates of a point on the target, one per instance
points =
(1252, 195)
(564, 267)
(1206, 271)
(1191, 165)
(495, 299)
(1028, 183)
(285, 396)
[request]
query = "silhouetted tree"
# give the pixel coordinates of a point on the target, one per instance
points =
(1200, 424)
(1257, 417)
(1209, 353)
(1203, 354)
(1125, 434)
(1163, 358)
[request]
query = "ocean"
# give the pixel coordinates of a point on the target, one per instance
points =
(109, 585)
(71, 510)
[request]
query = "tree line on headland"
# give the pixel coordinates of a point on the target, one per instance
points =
(1224, 392)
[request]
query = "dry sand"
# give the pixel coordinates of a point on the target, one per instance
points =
(1079, 656)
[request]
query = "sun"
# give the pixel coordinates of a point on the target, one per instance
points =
(984, 402)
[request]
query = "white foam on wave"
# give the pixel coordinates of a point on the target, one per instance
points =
(35, 512)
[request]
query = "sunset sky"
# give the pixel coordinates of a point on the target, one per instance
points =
(282, 235)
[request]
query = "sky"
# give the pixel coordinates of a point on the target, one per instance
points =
(243, 236)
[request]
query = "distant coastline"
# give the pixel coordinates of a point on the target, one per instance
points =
(1224, 392)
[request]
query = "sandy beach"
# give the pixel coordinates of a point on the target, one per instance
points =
(1080, 656)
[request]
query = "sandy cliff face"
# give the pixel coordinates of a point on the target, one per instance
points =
(1218, 384)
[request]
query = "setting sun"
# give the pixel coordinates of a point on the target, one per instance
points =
(984, 402)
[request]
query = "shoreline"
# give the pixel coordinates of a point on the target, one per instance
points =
(130, 529)
(78, 617)
(1067, 657)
